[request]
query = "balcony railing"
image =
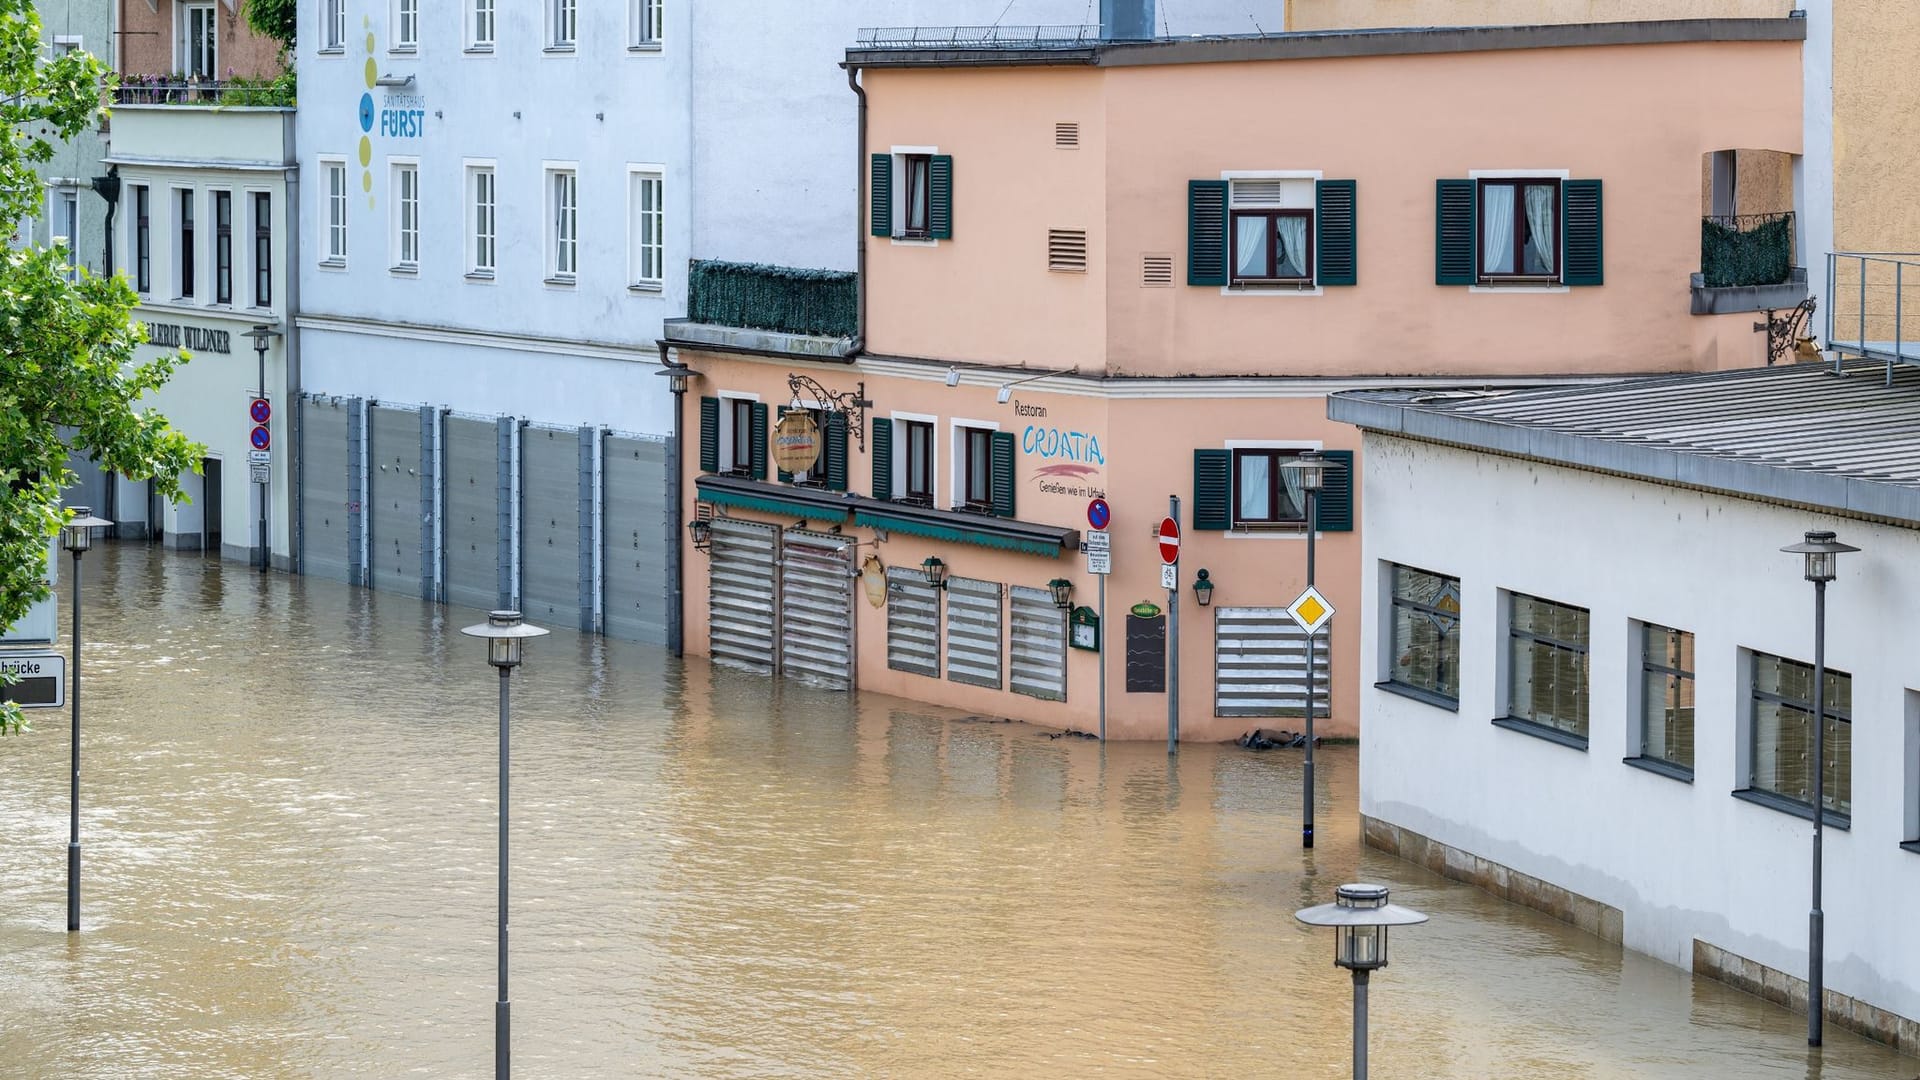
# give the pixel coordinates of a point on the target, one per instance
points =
(1867, 309)
(1747, 249)
(819, 303)
(977, 37)
(170, 90)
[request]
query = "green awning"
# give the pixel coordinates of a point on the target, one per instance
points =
(957, 532)
(770, 501)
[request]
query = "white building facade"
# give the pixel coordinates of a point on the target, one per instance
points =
(1590, 666)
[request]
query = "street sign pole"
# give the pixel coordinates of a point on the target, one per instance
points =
(1103, 661)
(1173, 643)
(1099, 547)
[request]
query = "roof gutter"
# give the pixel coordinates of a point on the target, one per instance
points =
(859, 342)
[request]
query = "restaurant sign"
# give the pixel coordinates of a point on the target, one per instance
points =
(796, 442)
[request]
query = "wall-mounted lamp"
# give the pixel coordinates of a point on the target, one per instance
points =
(701, 529)
(1062, 591)
(936, 572)
(1006, 389)
(953, 376)
(677, 376)
(1203, 589)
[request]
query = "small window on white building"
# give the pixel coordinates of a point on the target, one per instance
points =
(406, 216)
(66, 226)
(1910, 797)
(1547, 673)
(480, 25)
(185, 250)
(646, 247)
(648, 24)
(335, 211)
(1423, 652)
(1781, 732)
(563, 24)
(262, 249)
(142, 238)
(1665, 695)
(333, 26)
(406, 25)
(223, 247)
(481, 252)
(563, 225)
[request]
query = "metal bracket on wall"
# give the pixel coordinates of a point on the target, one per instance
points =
(853, 404)
(1786, 330)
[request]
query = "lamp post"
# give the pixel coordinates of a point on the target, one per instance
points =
(1311, 470)
(1822, 553)
(1360, 916)
(506, 634)
(263, 336)
(677, 376)
(76, 536)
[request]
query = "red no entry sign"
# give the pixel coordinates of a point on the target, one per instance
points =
(1169, 541)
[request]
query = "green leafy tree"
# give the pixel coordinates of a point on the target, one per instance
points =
(274, 19)
(66, 346)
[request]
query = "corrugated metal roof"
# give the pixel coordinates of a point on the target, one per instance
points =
(1847, 442)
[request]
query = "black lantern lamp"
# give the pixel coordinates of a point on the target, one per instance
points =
(936, 572)
(1822, 554)
(1360, 916)
(677, 376)
(506, 633)
(701, 530)
(76, 536)
(1311, 469)
(1062, 591)
(1203, 589)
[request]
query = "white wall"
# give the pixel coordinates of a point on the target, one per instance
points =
(1680, 860)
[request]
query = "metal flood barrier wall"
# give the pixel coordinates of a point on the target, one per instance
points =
(1037, 650)
(816, 607)
(973, 632)
(566, 523)
(740, 620)
(1260, 664)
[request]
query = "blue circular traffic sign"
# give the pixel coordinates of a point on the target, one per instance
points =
(261, 410)
(1098, 514)
(262, 438)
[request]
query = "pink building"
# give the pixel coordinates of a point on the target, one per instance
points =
(196, 39)
(1134, 270)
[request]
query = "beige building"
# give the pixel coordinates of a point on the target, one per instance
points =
(198, 40)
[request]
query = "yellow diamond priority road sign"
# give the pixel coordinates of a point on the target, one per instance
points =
(1311, 610)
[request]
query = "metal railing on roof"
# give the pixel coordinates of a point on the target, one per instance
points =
(1867, 306)
(977, 37)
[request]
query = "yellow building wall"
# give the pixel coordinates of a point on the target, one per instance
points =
(1876, 125)
(1361, 14)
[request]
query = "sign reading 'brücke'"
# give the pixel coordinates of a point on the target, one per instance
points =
(796, 442)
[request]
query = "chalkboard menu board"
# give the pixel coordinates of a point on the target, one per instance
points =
(1146, 655)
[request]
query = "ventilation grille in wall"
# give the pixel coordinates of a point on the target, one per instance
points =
(1067, 250)
(1156, 271)
(1066, 133)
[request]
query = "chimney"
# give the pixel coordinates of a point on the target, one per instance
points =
(1126, 20)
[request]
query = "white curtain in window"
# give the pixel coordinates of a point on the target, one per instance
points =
(917, 196)
(1540, 224)
(1256, 477)
(1296, 508)
(1250, 247)
(1292, 260)
(1496, 229)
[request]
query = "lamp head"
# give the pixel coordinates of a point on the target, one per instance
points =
(76, 535)
(506, 634)
(936, 572)
(1309, 468)
(953, 376)
(1360, 916)
(1822, 553)
(1005, 392)
(677, 376)
(1203, 588)
(1062, 591)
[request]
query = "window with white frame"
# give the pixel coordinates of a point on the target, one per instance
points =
(65, 218)
(142, 238)
(333, 26)
(64, 44)
(646, 247)
(406, 216)
(647, 24)
(563, 23)
(1519, 228)
(406, 25)
(481, 227)
(262, 248)
(563, 224)
(1265, 493)
(335, 215)
(184, 249)
(223, 247)
(1271, 230)
(196, 41)
(480, 25)
(973, 468)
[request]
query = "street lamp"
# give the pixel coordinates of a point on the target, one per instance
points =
(677, 376)
(262, 336)
(1203, 588)
(1310, 469)
(1360, 916)
(506, 634)
(1822, 553)
(1062, 591)
(76, 536)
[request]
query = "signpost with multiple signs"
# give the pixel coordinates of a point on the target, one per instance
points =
(1098, 547)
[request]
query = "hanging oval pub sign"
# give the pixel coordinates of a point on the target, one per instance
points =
(796, 442)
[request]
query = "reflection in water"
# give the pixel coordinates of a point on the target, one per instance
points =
(289, 830)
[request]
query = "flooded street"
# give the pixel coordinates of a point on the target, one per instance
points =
(289, 795)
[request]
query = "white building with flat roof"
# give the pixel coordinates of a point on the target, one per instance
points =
(1590, 685)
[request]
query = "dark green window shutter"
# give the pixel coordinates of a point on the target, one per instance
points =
(1336, 233)
(880, 192)
(835, 451)
(940, 197)
(1335, 509)
(1001, 458)
(1212, 490)
(780, 474)
(1206, 232)
(757, 431)
(709, 434)
(1580, 220)
(880, 448)
(1456, 225)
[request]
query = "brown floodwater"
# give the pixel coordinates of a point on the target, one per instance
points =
(288, 819)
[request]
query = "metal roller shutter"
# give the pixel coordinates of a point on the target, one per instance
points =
(816, 607)
(478, 491)
(324, 536)
(740, 621)
(634, 515)
(1260, 664)
(550, 562)
(913, 622)
(1037, 653)
(397, 513)
(973, 632)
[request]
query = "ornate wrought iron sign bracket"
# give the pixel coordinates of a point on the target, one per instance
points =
(1786, 329)
(853, 404)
